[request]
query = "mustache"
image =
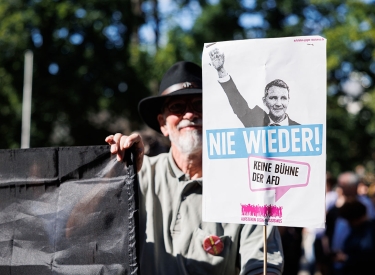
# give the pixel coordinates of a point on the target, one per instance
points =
(186, 123)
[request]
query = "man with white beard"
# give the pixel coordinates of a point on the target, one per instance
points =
(173, 239)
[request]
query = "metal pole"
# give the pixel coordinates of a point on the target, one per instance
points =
(26, 103)
(265, 249)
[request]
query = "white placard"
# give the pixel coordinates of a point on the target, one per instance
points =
(264, 149)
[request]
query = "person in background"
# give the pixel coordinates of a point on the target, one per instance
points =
(338, 228)
(363, 186)
(315, 243)
(291, 238)
(358, 253)
(173, 238)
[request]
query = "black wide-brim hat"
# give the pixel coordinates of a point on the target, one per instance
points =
(183, 78)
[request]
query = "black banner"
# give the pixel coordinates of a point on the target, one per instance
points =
(66, 210)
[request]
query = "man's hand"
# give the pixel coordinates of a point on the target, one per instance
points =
(120, 143)
(217, 61)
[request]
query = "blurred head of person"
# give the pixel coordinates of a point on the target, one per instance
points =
(347, 184)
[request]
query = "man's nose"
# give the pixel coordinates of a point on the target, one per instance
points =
(190, 113)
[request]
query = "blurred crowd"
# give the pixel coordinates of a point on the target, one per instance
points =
(347, 244)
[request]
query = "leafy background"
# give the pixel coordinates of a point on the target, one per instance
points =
(94, 60)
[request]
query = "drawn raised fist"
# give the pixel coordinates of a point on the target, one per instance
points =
(217, 58)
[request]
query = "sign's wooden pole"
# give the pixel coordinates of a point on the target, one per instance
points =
(265, 249)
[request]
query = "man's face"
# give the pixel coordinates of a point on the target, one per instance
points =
(277, 101)
(182, 122)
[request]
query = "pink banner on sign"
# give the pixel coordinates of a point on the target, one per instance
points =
(277, 174)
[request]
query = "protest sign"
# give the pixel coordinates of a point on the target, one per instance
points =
(264, 131)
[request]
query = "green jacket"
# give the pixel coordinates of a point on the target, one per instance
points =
(172, 231)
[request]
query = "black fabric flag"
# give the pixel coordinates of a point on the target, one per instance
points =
(66, 210)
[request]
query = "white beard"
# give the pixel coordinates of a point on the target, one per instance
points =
(188, 142)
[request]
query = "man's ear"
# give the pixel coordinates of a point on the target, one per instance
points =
(162, 123)
(264, 100)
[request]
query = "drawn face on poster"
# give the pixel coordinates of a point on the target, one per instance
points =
(276, 99)
(250, 87)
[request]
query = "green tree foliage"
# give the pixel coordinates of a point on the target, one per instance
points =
(92, 63)
(83, 82)
(349, 29)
